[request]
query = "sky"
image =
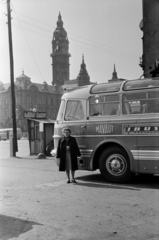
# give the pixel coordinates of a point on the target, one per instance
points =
(106, 31)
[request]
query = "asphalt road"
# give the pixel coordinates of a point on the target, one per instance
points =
(36, 203)
(23, 148)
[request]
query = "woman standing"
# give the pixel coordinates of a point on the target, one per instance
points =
(68, 151)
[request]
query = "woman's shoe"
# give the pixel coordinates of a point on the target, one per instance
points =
(68, 181)
(74, 181)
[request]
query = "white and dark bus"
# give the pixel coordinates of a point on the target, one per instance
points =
(116, 126)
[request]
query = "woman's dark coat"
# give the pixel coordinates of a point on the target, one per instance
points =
(61, 152)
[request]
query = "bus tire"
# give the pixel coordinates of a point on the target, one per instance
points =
(114, 165)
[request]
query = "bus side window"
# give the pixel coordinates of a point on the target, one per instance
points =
(153, 102)
(95, 110)
(104, 105)
(126, 106)
(135, 103)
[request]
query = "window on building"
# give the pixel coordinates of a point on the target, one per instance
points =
(6, 101)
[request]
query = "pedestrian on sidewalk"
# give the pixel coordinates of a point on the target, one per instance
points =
(68, 151)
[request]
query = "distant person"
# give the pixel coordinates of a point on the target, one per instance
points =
(68, 151)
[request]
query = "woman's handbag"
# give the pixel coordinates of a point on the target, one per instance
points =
(53, 153)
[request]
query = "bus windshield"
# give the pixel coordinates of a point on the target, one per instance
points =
(61, 110)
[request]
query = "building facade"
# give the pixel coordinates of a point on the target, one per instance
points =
(29, 97)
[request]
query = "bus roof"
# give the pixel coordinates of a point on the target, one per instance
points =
(127, 85)
(80, 92)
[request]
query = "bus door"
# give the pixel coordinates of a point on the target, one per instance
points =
(75, 117)
(148, 145)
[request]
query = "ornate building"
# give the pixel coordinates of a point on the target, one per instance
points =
(29, 97)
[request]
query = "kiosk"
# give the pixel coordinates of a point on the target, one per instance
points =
(40, 132)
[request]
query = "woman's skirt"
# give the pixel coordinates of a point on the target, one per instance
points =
(68, 160)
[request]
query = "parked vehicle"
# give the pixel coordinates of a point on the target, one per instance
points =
(116, 126)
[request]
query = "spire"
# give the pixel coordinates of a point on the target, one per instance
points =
(83, 77)
(59, 17)
(82, 58)
(60, 32)
(114, 68)
(114, 74)
(59, 21)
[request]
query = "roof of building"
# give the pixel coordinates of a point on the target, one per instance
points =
(41, 87)
(23, 76)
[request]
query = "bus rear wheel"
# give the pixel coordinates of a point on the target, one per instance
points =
(115, 165)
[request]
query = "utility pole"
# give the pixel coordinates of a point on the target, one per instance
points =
(15, 146)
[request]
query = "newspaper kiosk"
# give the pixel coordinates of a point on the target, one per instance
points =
(40, 132)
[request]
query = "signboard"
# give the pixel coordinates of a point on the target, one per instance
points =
(41, 115)
(29, 114)
(38, 115)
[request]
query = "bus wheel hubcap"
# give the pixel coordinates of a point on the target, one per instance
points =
(116, 164)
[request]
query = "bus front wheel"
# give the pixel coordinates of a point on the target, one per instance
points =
(115, 166)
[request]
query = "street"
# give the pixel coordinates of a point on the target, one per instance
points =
(37, 203)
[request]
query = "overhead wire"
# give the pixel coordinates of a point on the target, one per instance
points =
(107, 48)
(29, 47)
(78, 35)
(80, 44)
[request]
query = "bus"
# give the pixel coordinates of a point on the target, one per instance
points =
(116, 126)
(9, 133)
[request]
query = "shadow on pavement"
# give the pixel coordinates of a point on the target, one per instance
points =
(137, 183)
(11, 227)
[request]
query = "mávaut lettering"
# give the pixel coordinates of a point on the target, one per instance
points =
(104, 128)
